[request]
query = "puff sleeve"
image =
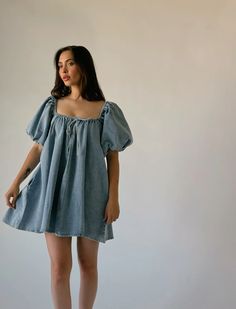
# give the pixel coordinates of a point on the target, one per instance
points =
(39, 125)
(116, 133)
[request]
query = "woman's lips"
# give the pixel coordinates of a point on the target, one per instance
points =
(66, 78)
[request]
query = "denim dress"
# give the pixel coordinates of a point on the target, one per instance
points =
(68, 190)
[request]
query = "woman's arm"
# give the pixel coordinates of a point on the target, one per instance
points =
(112, 209)
(113, 173)
(32, 159)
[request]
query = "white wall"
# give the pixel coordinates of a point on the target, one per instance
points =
(171, 66)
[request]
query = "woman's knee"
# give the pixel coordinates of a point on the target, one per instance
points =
(87, 254)
(59, 249)
(61, 269)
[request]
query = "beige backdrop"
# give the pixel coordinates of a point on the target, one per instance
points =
(171, 67)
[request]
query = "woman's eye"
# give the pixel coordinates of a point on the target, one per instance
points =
(60, 66)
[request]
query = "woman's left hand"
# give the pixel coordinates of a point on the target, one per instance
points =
(112, 211)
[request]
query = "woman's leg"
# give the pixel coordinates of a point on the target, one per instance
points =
(87, 250)
(59, 249)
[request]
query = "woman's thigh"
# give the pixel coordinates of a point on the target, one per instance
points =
(87, 250)
(59, 249)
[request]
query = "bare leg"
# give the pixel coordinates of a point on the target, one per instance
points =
(59, 249)
(87, 250)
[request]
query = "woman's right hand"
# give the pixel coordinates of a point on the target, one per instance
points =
(11, 195)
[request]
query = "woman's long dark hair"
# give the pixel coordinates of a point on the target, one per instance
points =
(89, 86)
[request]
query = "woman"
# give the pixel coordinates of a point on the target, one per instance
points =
(73, 191)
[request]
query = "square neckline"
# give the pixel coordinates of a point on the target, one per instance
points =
(77, 117)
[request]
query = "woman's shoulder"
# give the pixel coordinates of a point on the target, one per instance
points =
(47, 102)
(112, 108)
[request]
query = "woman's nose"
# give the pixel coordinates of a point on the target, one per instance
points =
(64, 69)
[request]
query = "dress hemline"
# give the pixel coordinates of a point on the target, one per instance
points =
(56, 233)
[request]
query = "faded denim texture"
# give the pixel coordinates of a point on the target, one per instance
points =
(68, 190)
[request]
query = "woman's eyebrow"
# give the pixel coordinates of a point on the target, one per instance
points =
(65, 60)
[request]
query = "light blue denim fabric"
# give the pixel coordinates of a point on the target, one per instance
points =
(68, 191)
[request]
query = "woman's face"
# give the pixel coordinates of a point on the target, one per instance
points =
(68, 69)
